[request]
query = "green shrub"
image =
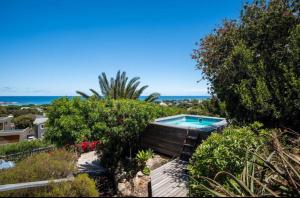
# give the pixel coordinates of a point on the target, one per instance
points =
(209, 107)
(24, 121)
(141, 157)
(17, 111)
(224, 152)
(44, 166)
(146, 170)
(118, 124)
(75, 120)
(22, 146)
(273, 170)
(82, 186)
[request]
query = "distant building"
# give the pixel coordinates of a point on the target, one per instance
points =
(8, 133)
(39, 126)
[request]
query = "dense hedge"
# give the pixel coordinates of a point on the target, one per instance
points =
(116, 123)
(224, 152)
(76, 120)
(22, 146)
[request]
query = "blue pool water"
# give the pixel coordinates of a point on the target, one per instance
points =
(190, 121)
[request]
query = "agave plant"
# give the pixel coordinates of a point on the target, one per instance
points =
(276, 173)
(120, 87)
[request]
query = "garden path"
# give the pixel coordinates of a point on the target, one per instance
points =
(89, 163)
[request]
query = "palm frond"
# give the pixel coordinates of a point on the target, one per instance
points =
(84, 95)
(139, 92)
(152, 97)
(96, 93)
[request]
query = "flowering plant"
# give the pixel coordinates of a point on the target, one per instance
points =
(87, 146)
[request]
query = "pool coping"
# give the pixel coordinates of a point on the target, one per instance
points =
(212, 127)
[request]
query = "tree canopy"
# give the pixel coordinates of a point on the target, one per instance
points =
(253, 64)
(120, 87)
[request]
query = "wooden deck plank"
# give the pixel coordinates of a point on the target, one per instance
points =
(174, 186)
(164, 171)
(170, 180)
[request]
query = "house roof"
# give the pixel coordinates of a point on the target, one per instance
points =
(41, 120)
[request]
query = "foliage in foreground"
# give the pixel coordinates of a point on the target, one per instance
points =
(44, 166)
(253, 64)
(273, 170)
(120, 87)
(225, 151)
(22, 146)
(82, 186)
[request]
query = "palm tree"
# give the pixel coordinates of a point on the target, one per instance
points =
(120, 87)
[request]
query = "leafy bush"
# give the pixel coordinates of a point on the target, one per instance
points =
(82, 186)
(24, 121)
(146, 170)
(141, 157)
(209, 107)
(253, 63)
(224, 152)
(76, 120)
(44, 166)
(273, 170)
(17, 111)
(22, 146)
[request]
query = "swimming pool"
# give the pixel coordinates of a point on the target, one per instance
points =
(168, 135)
(192, 121)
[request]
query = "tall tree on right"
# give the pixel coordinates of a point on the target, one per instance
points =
(253, 64)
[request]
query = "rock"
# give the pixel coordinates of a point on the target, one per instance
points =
(163, 104)
(124, 189)
(156, 161)
(140, 174)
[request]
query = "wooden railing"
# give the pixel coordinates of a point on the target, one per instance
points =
(36, 184)
(21, 155)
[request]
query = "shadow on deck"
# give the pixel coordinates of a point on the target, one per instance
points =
(170, 180)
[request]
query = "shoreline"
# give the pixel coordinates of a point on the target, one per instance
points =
(47, 100)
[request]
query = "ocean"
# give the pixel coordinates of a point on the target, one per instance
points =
(40, 100)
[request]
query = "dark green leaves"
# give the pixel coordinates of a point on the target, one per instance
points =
(254, 65)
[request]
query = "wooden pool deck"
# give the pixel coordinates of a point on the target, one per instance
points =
(170, 180)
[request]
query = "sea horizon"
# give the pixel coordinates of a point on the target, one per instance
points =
(43, 100)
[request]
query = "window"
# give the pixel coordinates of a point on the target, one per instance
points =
(42, 126)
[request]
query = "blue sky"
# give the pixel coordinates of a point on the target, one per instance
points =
(57, 47)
